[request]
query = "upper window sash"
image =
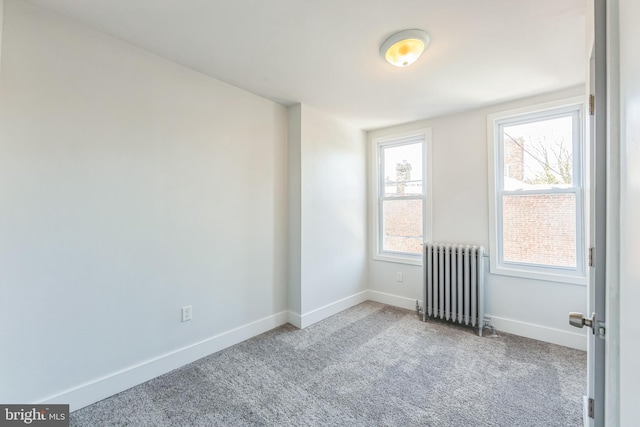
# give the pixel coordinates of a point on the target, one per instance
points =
(575, 111)
(381, 165)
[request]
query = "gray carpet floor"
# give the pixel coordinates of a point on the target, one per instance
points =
(371, 365)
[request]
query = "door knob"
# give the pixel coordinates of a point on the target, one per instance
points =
(579, 321)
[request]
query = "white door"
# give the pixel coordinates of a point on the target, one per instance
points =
(594, 401)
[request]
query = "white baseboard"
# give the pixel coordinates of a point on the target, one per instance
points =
(395, 300)
(314, 316)
(540, 333)
(101, 388)
(294, 319)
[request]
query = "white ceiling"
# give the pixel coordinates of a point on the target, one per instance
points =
(324, 53)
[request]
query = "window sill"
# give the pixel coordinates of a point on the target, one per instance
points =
(400, 259)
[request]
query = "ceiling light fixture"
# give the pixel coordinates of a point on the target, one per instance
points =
(405, 47)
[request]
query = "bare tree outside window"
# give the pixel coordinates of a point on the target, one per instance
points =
(553, 159)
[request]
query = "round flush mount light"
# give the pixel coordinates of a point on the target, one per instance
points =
(405, 47)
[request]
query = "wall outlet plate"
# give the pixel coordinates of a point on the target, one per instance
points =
(187, 313)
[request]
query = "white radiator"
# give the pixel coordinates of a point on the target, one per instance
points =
(454, 277)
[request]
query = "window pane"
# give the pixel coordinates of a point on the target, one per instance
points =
(540, 229)
(402, 226)
(402, 169)
(538, 154)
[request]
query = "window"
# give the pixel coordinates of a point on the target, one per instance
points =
(536, 178)
(402, 205)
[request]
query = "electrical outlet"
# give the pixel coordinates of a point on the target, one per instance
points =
(398, 277)
(187, 313)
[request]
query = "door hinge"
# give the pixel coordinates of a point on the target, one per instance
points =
(591, 408)
(592, 104)
(592, 256)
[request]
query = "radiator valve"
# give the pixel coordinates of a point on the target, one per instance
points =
(418, 310)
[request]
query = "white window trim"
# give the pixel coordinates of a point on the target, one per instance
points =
(575, 276)
(375, 180)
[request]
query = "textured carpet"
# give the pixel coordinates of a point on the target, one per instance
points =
(372, 365)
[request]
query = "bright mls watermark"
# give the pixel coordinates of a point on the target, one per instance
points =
(34, 415)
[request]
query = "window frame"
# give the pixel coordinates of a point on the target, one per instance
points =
(495, 123)
(378, 145)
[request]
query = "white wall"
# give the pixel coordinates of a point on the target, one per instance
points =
(629, 80)
(531, 308)
(333, 212)
(130, 187)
